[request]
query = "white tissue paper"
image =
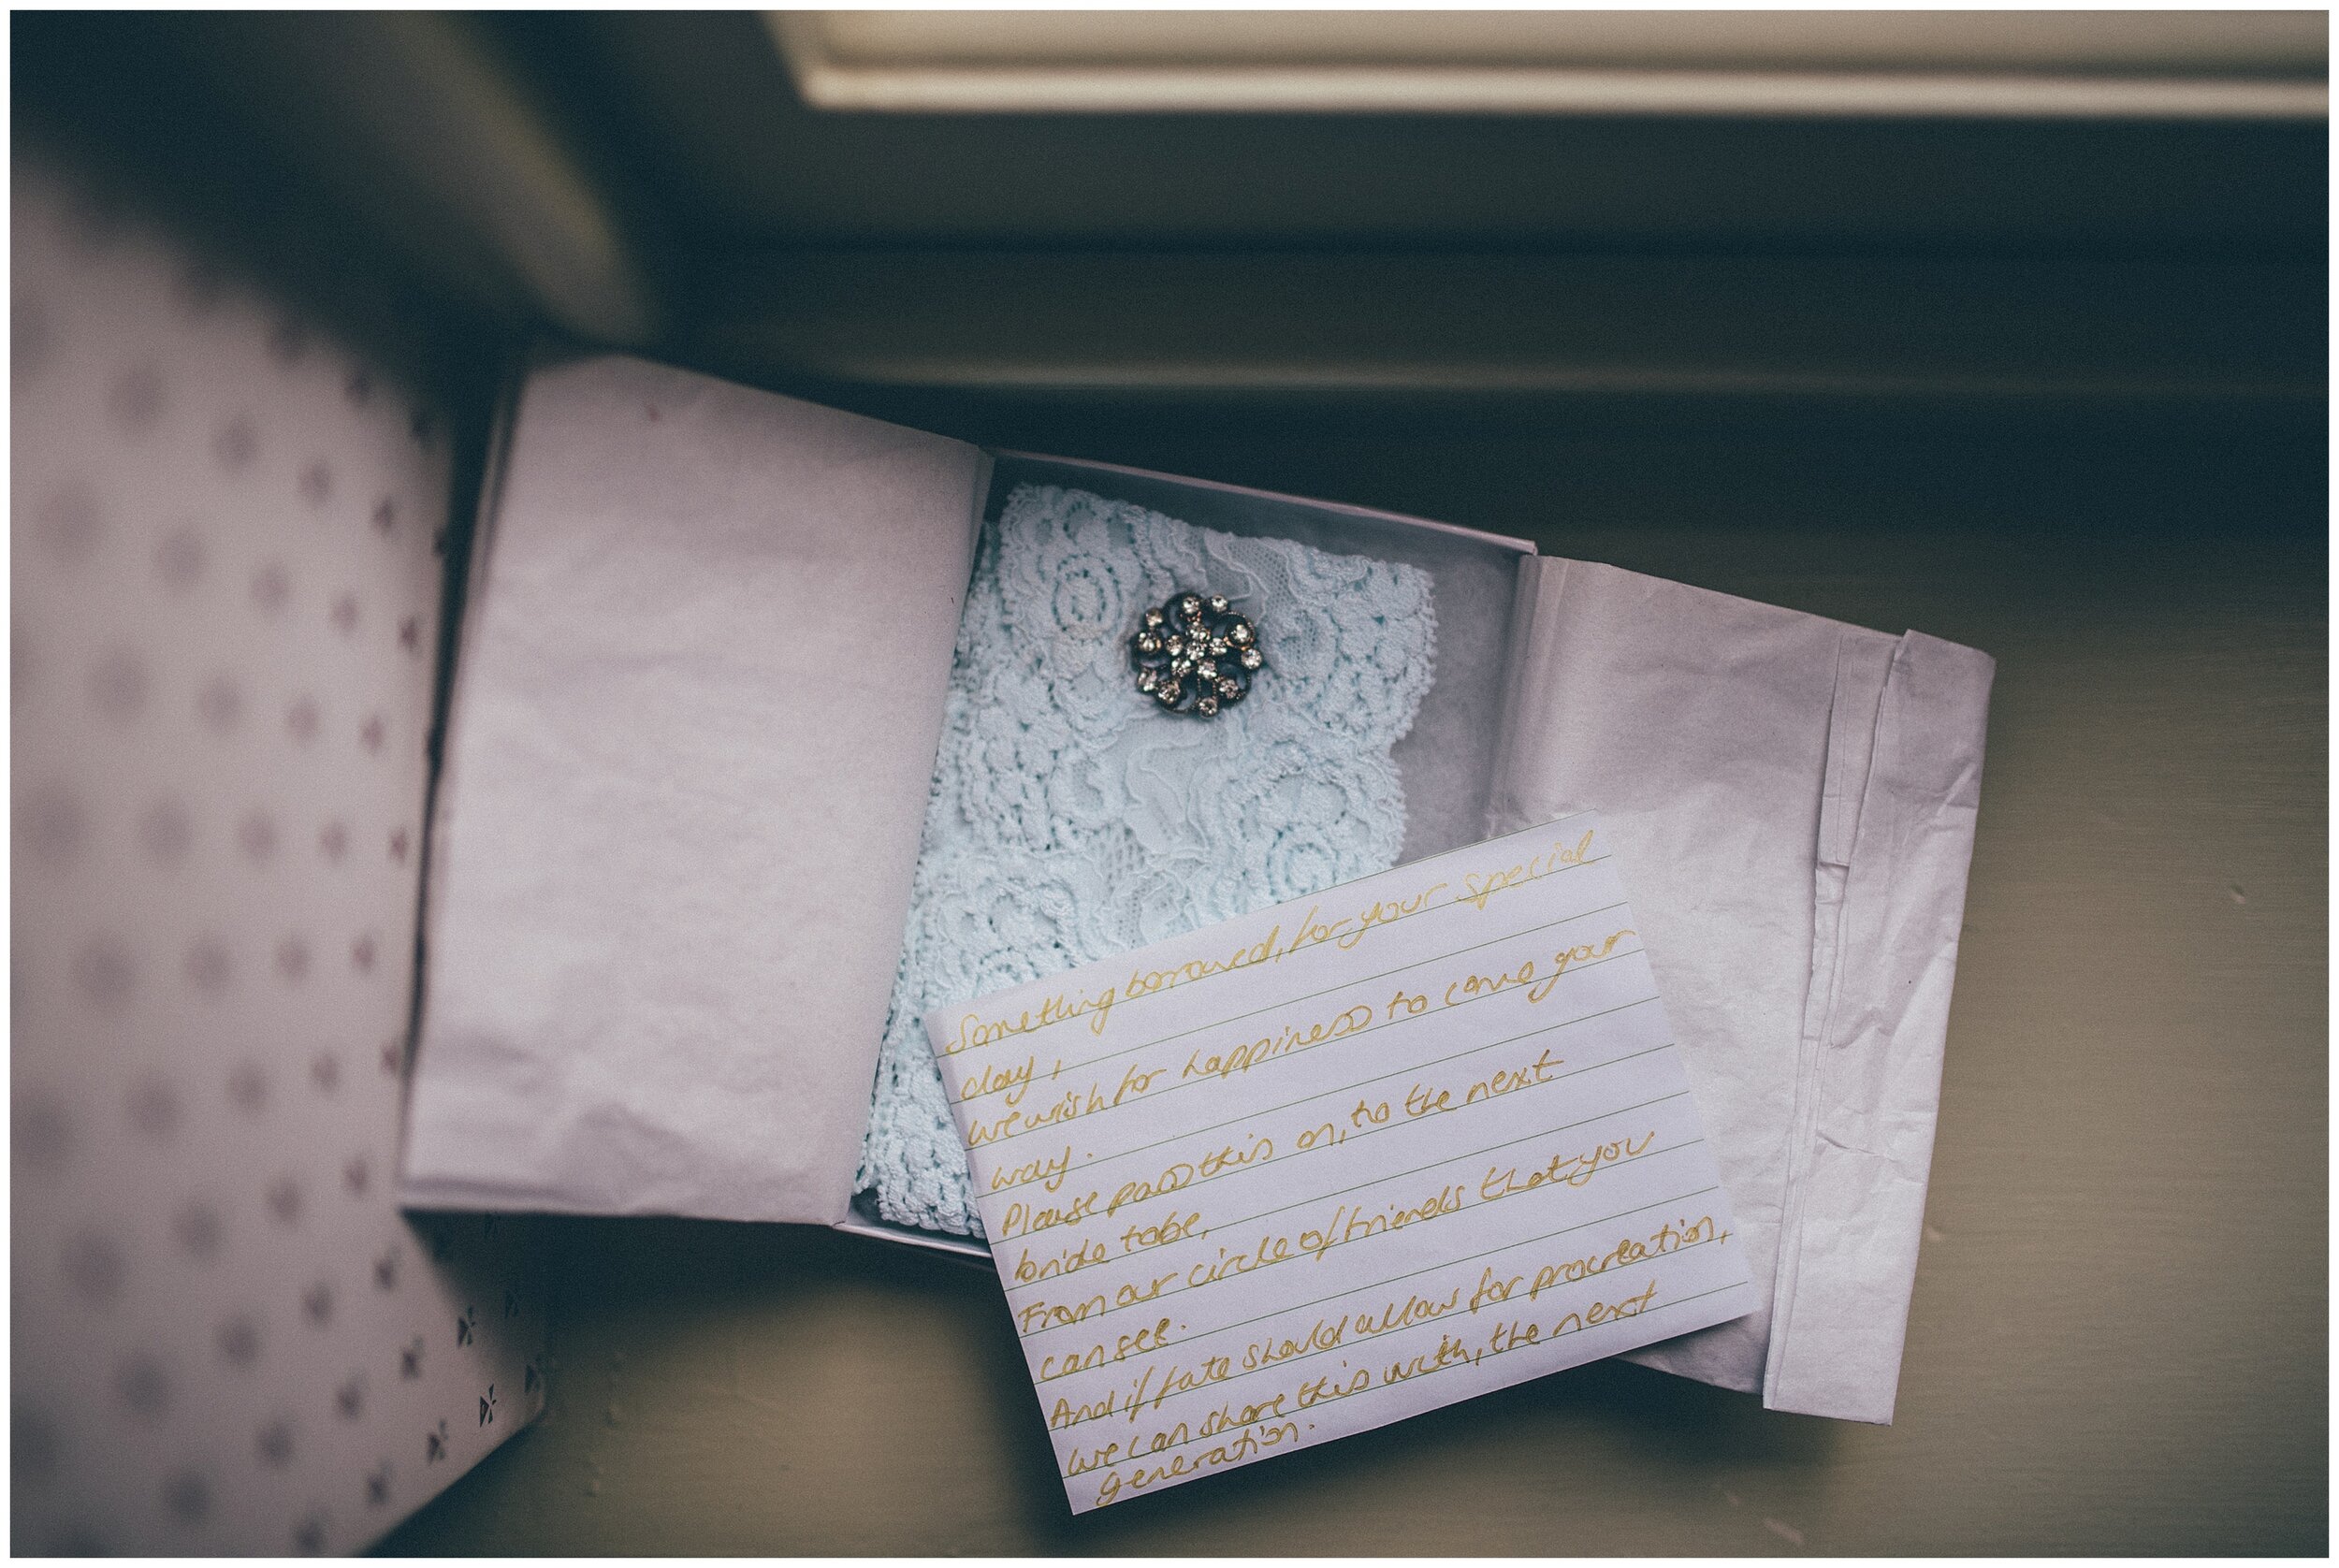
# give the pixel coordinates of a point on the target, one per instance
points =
(695, 715)
(1792, 805)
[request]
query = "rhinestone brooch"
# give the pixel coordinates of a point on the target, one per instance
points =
(1194, 655)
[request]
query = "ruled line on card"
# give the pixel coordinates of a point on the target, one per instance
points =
(1311, 995)
(977, 1138)
(1229, 1272)
(1096, 1160)
(1301, 943)
(1156, 1402)
(1444, 1263)
(1394, 1279)
(1412, 869)
(1379, 1180)
(1414, 1377)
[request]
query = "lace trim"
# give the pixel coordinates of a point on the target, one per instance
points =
(1069, 820)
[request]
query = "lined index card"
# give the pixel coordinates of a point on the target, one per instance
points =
(1340, 1162)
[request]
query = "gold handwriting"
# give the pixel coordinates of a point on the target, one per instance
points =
(1141, 1342)
(1185, 1173)
(1573, 1170)
(1148, 983)
(1292, 1036)
(1478, 887)
(1669, 1237)
(1135, 1080)
(1029, 1270)
(1350, 1224)
(975, 1032)
(1023, 1218)
(1047, 1170)
(1012, 1082)
(1254, 1442)
(1394, 1316)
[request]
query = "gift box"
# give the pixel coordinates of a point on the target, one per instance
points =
(229, 524)
(703, 669)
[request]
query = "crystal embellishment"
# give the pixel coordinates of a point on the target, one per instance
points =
(1195, 655)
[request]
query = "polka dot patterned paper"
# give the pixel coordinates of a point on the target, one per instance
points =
(226, 535)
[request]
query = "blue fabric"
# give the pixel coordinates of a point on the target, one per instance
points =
(1071, 819)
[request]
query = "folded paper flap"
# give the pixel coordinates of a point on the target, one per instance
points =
(688, 756)
(1848, 1263)
(1864, 663)
(1944, 692)
(1738, 753)
(1863, 660)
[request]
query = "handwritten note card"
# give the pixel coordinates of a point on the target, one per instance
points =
(1322, 1168)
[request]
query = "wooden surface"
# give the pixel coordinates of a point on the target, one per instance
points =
(2118, 1339)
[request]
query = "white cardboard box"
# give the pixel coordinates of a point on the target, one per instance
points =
(696, 704)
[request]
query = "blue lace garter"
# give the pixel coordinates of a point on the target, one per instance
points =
(1071, 819)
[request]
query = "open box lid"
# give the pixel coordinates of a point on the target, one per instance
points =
(687, 759)
(701, 684)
